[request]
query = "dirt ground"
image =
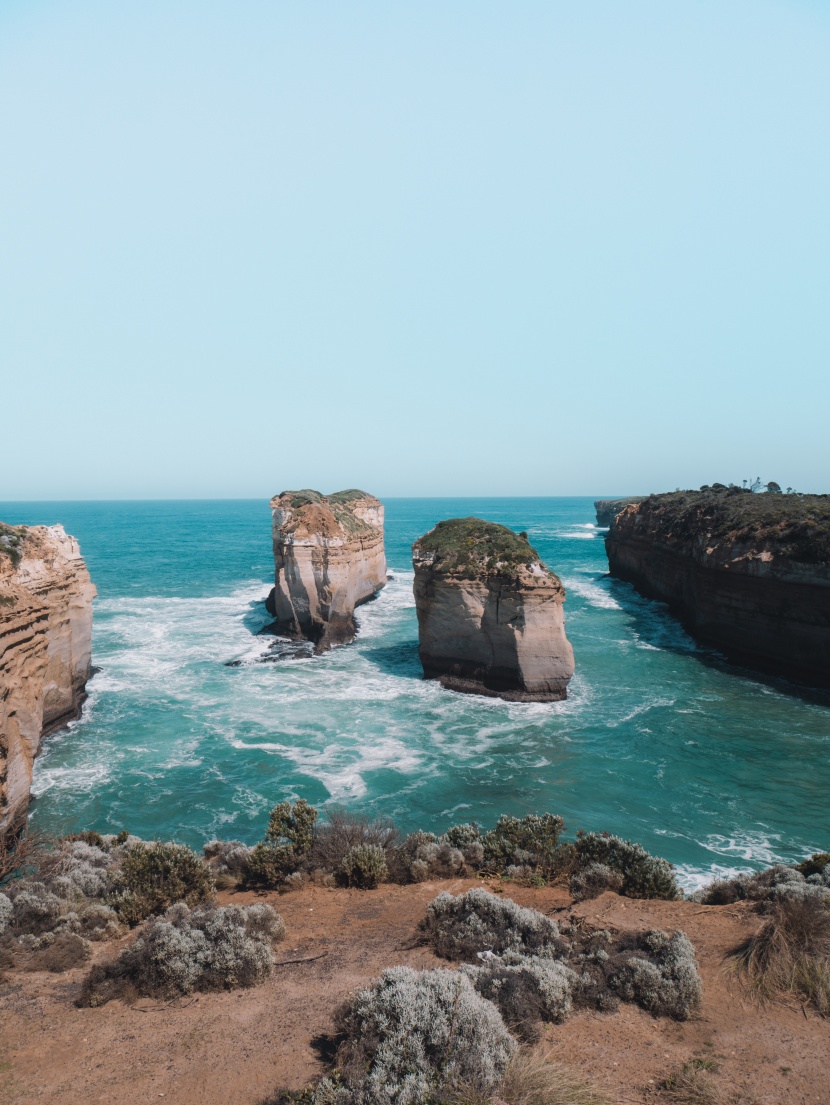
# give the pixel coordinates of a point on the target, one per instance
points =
(235, 1048)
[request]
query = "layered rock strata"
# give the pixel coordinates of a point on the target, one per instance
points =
(748, 573)
(608, 509)
(45, 648)
(490, 614)
(328, 559)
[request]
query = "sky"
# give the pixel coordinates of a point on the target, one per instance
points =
(426, 247)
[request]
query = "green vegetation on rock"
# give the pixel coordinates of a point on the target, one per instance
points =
(470, 548)
(10, 540)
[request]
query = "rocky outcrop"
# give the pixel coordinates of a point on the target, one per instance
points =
(45, 647)
(608, 509)
(490, 617)
(748, 573)
(328, 559)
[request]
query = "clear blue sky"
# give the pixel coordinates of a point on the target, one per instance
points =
(426, 247)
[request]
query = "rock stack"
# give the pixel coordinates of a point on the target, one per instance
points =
(328, 559)
(490, 617)
(45, 648)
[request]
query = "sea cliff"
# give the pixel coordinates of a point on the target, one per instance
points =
(490, 617)
(328, 559)
(45, 648)
(608, 509)
(748, 573)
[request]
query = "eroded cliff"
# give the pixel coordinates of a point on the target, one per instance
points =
(328, 559)
(608, 509)
(490, 614)
(749, 573)
(45, 648)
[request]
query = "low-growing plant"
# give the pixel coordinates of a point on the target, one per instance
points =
(342, 831)
(694, 1084)
(775, 884)
(411, 1037)
(790, 953)
(532, 1078)
(154, 877)
(208, 948)
(364, 866)
(594, 880)
(462, 926)
(817, 864)
(659, 973)
(526, 990)
(644, 875)
(524, 841)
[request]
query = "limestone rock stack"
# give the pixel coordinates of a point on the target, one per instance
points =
(328, 559)
(608, 509)
(490, 614)
(45, 648)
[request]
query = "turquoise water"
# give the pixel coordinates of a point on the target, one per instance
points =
(659, 741)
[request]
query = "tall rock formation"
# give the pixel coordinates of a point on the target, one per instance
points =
(490, 617)
(748, 573)
(45, 647)
(608, 509)
(328, 559)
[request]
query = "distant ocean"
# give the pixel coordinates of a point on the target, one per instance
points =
(659, 741)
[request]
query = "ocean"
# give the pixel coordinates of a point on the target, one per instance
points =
(659, 741)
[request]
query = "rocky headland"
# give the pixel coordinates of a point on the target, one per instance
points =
(490, 614)
(45, 648)
(748, 573)
(608, 509)
(328, 559)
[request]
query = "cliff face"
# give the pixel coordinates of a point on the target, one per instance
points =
(747, 573)
(608, 509)
(490, 617)
(45, 647)
(328, 559)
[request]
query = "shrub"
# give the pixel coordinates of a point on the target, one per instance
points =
(526, 990)
(288, 840)
(5, 913)
(660, 974)
(54, 952)
(411, 1036)
(594, 880)
(462, 836)
(208, 948)
(817, 864)
(644, 876)
(775, 884)
(344, 831)
(460, 927)
(693, 1084)
(790, 953)
(532, 840)
(364, 866)
(227, 857)
(34, 909)
(154, 877)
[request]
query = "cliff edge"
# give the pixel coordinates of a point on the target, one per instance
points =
(748, 573)
(608, 509)
(490, 617)
(328, 559)
(45, 648)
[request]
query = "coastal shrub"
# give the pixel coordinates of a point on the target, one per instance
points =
(153, 877)
(424, 856)
(411, 1036)
(364, 866)
(53, 951)
(207, 948)
(526, 990)
(775, 884)
(817, 864)
(342, 832)
(35, 909)
(227, 859)
(594, 880)
(287, 843)
(6, 910)
(659, 972)
(644, 875)
(524, 841)
(790, 953)
(462, 926)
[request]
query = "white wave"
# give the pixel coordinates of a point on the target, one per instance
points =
(593, 593)
(638, 711)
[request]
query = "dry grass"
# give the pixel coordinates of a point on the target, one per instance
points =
(534, 1078)
(23, 854)
(790, 953)
(693, 1084)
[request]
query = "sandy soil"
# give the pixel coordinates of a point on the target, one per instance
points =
(236, 1048)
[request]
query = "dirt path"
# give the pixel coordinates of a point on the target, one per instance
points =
(235, 1048)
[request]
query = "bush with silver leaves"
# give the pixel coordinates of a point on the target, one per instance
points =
(462, 926)
(594, 880)
(411, 1036)
(364, 866)
(660, 974)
